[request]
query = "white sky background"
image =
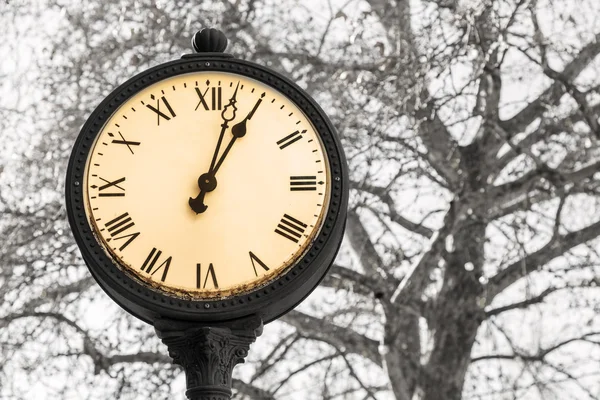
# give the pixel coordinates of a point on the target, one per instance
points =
(18, 91)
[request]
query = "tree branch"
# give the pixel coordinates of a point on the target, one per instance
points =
(534, 261)
(337, 336)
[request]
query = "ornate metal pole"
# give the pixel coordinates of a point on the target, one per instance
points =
(208, 353)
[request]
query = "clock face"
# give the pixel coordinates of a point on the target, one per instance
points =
(207, 184)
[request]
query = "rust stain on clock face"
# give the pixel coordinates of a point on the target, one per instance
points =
(269, 171)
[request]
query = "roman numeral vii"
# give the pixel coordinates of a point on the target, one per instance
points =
(152, 260)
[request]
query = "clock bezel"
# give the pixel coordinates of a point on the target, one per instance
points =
(269, 301)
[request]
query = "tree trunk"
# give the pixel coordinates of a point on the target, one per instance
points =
(458, 317)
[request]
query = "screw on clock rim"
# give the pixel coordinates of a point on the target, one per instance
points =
(294, 285)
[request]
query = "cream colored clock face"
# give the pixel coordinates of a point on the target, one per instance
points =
(192, 212)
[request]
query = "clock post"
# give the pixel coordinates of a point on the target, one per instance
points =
(244, 256)
(208, 353)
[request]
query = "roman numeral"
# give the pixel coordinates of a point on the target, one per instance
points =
(127, 143)
(290, 228)
(211, 272)
(119, 225)
(159, 113)
(303, 183)
(290, 139)
(262, 264)
(215, 97)
(152, 260)
(115, 189)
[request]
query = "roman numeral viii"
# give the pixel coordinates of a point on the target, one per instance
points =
(210, 271)
(159, 113)
(119, 229)
(152, 260)
(290, 228)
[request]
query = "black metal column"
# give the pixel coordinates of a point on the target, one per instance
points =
(208, 353)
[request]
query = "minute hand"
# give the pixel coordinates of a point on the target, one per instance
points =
(238, 131)
(224, 125)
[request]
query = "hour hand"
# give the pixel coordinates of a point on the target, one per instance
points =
(207, 183)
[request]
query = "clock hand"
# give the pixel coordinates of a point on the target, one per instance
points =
(208, 182)
(238, 131)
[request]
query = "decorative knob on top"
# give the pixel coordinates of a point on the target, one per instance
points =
(209, 40)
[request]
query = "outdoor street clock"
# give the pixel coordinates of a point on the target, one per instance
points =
(207, 194)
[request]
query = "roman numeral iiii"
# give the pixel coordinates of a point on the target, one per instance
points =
(290, 228)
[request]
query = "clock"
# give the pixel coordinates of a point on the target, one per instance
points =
(207, 189)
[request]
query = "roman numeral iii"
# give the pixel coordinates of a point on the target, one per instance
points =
(200, 284)
(119, 229)
(152, 260)
(303, 183)
(290, 228)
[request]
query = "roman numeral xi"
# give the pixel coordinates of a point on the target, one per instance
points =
(290, 228)
(165, 114)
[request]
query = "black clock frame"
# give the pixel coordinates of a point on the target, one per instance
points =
(267, 302)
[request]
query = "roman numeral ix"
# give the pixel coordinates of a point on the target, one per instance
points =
(152, 261)
(210, 271)
(290, 228)
(112, 188)
(119, 225)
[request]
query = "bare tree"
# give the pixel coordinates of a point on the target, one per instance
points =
(470, 268)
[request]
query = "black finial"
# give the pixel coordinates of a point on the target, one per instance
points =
(209, 40)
